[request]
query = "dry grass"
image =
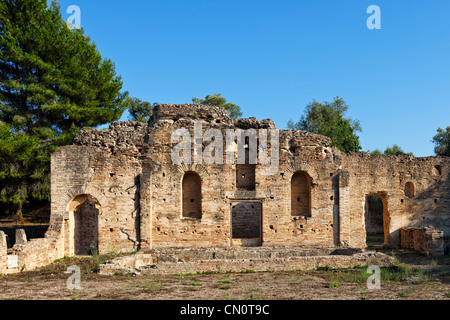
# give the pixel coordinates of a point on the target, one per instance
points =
(414, 277)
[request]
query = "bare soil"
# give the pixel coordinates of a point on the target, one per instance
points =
(415, 277)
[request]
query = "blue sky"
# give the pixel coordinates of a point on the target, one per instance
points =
(274, 57)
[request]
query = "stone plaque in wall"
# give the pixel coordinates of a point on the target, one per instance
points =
(12, 261)
(245, 194)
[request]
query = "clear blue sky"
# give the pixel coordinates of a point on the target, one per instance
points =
(274, 57)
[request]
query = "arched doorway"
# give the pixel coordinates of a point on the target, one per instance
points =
(83, 220)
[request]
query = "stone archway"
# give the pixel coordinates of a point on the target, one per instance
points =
(83, 225)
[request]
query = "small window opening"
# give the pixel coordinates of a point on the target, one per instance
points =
(191, 196)
(301, 194)
(409, 190)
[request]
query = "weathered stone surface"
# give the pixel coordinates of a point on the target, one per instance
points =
(128, 176)
(12, 262)
(173, 261)
(127, 137)
(21, 237)
(429, 241)
(175, 112)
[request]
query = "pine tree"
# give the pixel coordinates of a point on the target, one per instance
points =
(53, 82)
(140, 111)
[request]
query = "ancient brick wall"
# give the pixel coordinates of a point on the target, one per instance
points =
(316, 197)
(119, 189)
(168, 227)
(387, 177)
(312, 221)
(103, 166)
(35, 252)
(220, 187)
(425, 240)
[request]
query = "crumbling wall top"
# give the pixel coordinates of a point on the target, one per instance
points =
(132, 134)
(299, 138)
(210, 114)
(175, 112)
(122, 135)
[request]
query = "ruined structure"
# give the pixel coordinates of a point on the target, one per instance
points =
(118, 189)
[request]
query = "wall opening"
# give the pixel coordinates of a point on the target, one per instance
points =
(335, 199)
(437, 170)
(301, 194)
(374, 220)
(246, 222)
(409, 190)
(245, 176)
(85, 210)
(192, 196)
(245, 172)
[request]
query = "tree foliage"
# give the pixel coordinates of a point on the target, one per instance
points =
(53, 81)
(376, 152)
(327, 119)
(442, 142)
(234, 111)
(395, 150)
(140, 110)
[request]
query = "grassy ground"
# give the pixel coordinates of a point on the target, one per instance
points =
(413, 276)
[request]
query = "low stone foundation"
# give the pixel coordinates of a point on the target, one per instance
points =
(31, 231)
(429, 241)
(175, 261)
(30, 254)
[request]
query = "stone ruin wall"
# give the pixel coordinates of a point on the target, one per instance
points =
(387, 176)
(339, 186)
(128, 173)
(429, 241)
(108, 173)
(220, 192)
(135, 177)
(28, 255)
